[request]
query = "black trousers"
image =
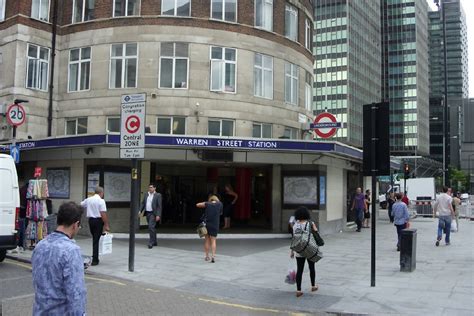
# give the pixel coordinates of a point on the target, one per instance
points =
(299, 272)
(96, 225)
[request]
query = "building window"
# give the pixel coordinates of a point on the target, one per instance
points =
(83, 10)
(263, 76)
(264, 14)
(220, 127)
(225, 10)
(291, 22)
(113, 125)
(40, 10)
(174, 65)
(2, 10)
(175, 125)
(290, 133)
(261, 130)
(76, 126)
(79, 69)
(291, 83)
(176, 7)
(126, 7)
(223, 69)
(308, 91)
(38, 67)
(123, 65)
(307, 34)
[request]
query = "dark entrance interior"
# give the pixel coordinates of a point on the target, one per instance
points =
(182, 186)
(354, 181)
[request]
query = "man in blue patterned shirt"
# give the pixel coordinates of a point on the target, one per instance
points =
(58, 268)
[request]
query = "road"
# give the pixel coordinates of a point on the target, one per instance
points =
(114, 296)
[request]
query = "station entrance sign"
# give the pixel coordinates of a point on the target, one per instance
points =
(132, 126)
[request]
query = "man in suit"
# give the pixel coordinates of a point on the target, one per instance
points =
(151, 208)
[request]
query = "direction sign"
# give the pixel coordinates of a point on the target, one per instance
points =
(132, 126)
(15, 153)
(16, 115)
(325, 125)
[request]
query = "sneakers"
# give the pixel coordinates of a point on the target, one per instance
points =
(448, 243)
(437, 243)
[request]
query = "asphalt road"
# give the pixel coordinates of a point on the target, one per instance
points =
(113, 296)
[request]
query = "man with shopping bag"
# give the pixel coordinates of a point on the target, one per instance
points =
(151, 208)
(98, 220)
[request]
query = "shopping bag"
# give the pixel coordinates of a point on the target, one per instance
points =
(291, 275)
(105, 244)
(454, 226)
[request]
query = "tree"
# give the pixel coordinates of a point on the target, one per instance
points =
(458, 179)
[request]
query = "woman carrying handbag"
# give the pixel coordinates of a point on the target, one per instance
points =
(212, 212)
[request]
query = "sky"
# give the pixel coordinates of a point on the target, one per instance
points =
(468, 6)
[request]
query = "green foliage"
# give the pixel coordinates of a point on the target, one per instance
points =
(458, 179)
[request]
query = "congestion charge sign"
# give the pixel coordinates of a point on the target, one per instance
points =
(132, 126)
(325, 125)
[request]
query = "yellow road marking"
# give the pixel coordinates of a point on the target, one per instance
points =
(17, 263)
(241, 306)
(153, 290)
(105, 280)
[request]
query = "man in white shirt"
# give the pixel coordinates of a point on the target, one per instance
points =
(98, 220)
(444, 207)
(151, 208)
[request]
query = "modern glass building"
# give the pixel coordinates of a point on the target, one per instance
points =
(347, 54)
(457, 74)
(405, 74)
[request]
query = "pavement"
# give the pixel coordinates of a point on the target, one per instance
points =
(250, 272)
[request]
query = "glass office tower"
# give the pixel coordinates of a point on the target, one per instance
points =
(405, 74)
(347, 70)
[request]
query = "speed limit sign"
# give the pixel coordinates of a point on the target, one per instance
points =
(16, 115)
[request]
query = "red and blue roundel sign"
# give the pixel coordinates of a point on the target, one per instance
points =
(325, 125)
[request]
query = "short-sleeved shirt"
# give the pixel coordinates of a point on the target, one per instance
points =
(58, 277)
(359, 201)
(94, 205)
(443, 204)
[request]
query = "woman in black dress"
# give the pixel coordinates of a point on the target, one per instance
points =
(212, 212)
(230, 198)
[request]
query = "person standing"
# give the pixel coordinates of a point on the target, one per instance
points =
(152, 208)
(405, 198)
(303, 222)
(58, 268)
(230, 198)
(391, 201)
(212, 212)
(456, 205)
(367, 209)
(444, 207)
(359, 205)
(98, 220)
(400, 217)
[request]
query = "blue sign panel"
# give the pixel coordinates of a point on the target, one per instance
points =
(325, 125)
(15, 153)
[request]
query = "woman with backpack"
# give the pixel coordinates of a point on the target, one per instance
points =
(303, 222)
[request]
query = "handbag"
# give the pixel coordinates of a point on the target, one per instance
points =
(201, 230)
(318, 238)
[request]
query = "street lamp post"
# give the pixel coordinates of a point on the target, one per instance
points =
(471, 173)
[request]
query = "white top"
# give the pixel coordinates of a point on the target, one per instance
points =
(94, 205)
(442, 204)
(149, 199)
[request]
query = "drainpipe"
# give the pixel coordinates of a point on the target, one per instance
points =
(53, 57)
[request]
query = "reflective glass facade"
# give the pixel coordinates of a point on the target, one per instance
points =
(347, 69)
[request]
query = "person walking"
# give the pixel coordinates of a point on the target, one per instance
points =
(98, 220)
(212, 212)
(391, 201)
(456, 206)
(152, 208)
(230, 198)
(400, 217)
(367, 209)
(303, 222)
(444, 207)
(58, 268)
(359, 205)
(405, 198)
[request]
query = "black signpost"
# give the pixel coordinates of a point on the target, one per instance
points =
(376, 159)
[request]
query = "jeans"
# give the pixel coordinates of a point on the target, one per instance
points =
(96, 226)
(444, 222)
(359, 217)
(399, 232)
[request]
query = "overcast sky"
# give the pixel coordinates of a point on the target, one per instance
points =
(468, 6)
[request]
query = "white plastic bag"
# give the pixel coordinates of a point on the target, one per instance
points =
(291, 275)
(454, 226)
(105, 244)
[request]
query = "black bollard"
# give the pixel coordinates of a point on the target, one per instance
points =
(408, 250)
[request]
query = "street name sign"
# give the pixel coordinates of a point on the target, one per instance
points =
(132, 126)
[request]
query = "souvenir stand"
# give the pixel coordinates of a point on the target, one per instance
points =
(36, 210)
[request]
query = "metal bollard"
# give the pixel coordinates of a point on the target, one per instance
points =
(408, 250)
